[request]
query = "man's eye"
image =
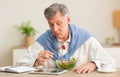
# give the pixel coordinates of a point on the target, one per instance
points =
(58, 23)
(51, 25)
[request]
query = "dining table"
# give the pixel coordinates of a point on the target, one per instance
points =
(69, 73)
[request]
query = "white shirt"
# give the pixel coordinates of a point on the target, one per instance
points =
(91, 50)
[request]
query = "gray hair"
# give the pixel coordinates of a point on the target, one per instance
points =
(54, 8)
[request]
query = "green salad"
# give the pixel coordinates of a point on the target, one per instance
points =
(66, 64)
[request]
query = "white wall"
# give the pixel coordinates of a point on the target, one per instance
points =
(94, 15)
(0, 30)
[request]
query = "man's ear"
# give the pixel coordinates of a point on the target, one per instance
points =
(68, 19)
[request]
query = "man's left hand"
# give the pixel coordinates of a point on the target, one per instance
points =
(86, 68)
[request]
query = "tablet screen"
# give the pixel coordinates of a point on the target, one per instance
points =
(49, 71)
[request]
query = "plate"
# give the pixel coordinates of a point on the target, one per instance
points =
(106, 70)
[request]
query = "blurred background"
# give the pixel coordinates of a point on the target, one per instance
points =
(94, 15)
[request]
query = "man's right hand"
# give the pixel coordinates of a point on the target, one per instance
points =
(43, 56)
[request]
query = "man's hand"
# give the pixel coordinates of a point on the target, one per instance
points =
(44, 55)
(86, 68)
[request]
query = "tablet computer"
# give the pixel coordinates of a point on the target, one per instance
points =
(49, 71)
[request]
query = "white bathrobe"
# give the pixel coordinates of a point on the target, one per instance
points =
(91, 50)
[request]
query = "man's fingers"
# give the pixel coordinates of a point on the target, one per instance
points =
(82, 70)
(86, 68)
(49, 52)
(43, 56)
(79, 70)
(85, 71)
(43, 59)
(46, 54)
(89, 71)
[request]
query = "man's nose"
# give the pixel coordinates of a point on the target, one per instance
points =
(55, 27)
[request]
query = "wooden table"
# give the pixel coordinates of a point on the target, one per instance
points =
(67, 74)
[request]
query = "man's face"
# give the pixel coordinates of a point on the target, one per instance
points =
(59, 25)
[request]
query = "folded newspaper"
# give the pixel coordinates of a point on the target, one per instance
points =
(17, 69)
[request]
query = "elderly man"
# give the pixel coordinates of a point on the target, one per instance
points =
(65, 41)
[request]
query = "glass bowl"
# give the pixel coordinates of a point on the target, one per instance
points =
(66, 64)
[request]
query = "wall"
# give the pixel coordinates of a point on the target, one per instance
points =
(0, 29)
(94, 15)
